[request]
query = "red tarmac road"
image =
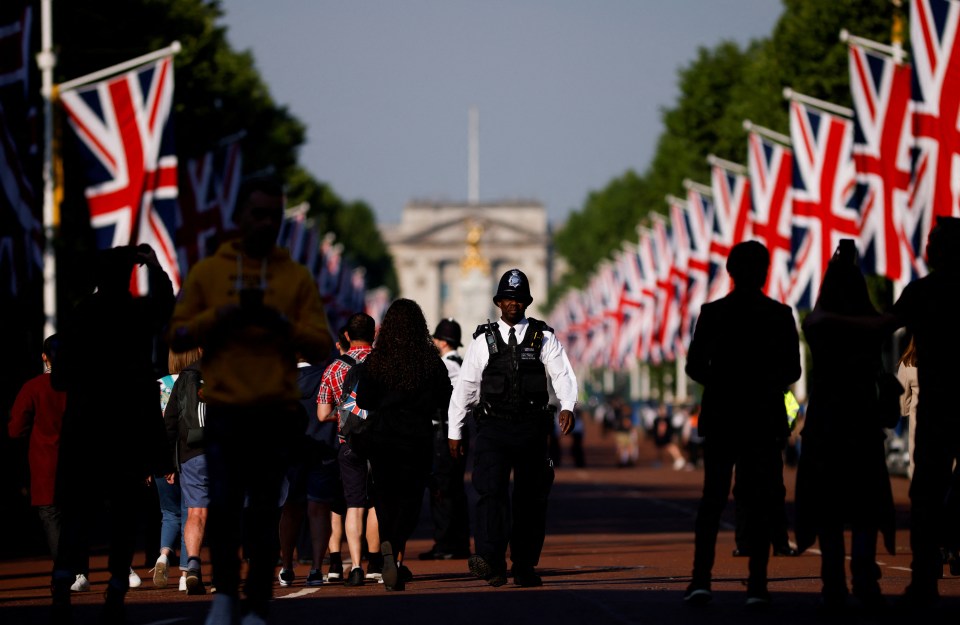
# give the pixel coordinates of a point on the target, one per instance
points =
(619, 550)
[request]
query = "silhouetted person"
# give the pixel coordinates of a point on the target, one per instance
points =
(112, 436)
(842, 476)
(745, 352)
(252, 309)
(930, 309)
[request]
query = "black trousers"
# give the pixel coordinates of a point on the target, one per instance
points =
(759, 480)
(399, 469)
(519, 521)
(247, 455)
(448, 497)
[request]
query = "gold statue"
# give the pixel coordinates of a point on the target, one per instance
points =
(472, 258)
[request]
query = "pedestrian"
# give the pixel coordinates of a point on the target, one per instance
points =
(112, 426)
(928, 308)
(185, 416)
(37, 414)
(842, 476)
(354, 474)
(907, 375)
(448, 495)
(745, 351)
(504, 381)
(402, 384)
(252, 309)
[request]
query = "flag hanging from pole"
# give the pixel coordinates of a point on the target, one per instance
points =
(770, 166)
(825, 207)
(880, 89)
(935, 53)
(731, 224)
(126, 138)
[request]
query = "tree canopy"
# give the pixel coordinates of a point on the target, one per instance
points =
(720, 88)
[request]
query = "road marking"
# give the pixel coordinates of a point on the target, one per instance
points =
(168, 621)
(300, 593)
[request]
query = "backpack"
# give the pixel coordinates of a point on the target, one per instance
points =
(353, 419)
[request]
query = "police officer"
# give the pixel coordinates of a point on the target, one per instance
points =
(504, 380)
(448, 497)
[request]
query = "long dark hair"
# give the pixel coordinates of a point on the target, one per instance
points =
(404, 356)
(844, 289)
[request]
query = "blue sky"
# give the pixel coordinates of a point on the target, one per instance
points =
(570, 92)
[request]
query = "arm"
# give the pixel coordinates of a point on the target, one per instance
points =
(171, 417)
(562, 376)
(22, 414)
(466, 393)
(698, 357)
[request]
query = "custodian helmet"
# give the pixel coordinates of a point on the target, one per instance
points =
(514, 285)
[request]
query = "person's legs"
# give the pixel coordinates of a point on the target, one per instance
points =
(318, 514)
(532, 481)
(832, 563)
(863, 565)
(353, 528)
(491, 479)
(226, 470)
(718, 461)
(291, 518)
(170, 522)
(759, 478)
(50, 519)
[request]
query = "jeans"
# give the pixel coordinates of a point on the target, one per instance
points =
(173, 517)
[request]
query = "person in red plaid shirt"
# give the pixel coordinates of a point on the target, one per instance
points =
(360, 331)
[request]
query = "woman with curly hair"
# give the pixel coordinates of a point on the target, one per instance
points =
(403, 383)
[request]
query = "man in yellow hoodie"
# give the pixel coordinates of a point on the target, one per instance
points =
(252, 309)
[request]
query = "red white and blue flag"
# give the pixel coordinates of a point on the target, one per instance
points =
(636, 308)
(731, 224)
(825, 206)
(207, 201)
(21, 236)
(668, 308)
(698, 214)
(881, 152)
(680, 271)
(936, 117)
(770, 167)
(126, 139)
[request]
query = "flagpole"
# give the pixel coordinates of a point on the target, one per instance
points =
(715, 161)
(766, 133)
(691, 185)
(823, 105)
(896, 52)
(46, 60)
(119, 68)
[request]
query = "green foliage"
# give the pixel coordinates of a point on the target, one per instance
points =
(722, 87)
(219, 92)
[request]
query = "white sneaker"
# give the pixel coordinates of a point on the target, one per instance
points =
(81, 585)
(183, 583)
(223, 609)
(160, 572)
(135, 580)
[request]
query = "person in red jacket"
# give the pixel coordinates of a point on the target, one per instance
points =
(38, 414)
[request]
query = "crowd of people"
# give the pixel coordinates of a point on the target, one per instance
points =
(260, 427)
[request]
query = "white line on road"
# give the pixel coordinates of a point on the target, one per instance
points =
(300, 593)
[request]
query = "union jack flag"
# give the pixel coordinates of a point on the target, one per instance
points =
(649, 347)
(824, 196)
(206, 205)
(21, 241)
(936, 115)
(731, 224)
(699, 218)
(131, 168)
(881, 153)
(680, 269)
(668, 309)
(636, 308)
(770, 166)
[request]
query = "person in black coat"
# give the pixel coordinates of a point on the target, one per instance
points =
(403, 383)
(842, 476)
(745, 351)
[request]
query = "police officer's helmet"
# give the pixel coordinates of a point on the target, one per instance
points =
(514, 285)
(448, 330)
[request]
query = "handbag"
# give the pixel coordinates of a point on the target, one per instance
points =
(889, 391)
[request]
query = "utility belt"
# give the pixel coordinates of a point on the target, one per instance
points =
(486, 411)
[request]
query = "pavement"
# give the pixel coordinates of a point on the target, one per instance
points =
(618, 551)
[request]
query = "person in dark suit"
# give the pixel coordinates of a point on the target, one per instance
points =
(745, 351)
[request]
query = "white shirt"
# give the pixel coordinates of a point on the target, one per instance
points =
(453, 367)
(466, 392)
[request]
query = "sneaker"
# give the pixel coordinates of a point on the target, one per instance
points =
(335, 573)
(193, 583)
(159, 571)
(286, 577)
(183, 583)
(697, 595)
(82, 584)
(482, 570)
(134, 579)
(758, 599)
(315, 578)
(356, 577)
(391, 575)
(375, 563)
(526, 577)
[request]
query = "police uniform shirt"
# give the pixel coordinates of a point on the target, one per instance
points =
(453, 368)
(466, 392)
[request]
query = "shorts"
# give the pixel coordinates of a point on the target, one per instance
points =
(353, 476)
(195, 482)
